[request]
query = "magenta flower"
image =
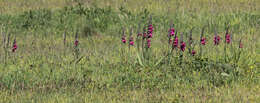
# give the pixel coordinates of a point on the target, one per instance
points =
(150, 28)
(123, 39)
(148, 40)
(216, 39)
(144, 35)
(150, 31)
(150, 35)
(14, 46)
(172, 30)
(148, 43)
(76, 43)
(193, 52)
(227, 37)
(183, 45)
(175, 42)
(131, 41)
(203, 41)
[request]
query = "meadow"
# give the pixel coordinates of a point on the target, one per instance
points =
(74, 51)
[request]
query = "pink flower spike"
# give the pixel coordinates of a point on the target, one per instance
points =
(148, 43)
(14, 46)
(228, 39)
(216, 39)
(76, 43)
(144, 35)
(175, 43)
(172, 31)
(203, 41)
(183, 45)
(123, 40)
(193, 52)
(150, 35)
(148, 40)
(131, 43)
(150, 30)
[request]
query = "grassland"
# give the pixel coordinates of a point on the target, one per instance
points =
(45, 67)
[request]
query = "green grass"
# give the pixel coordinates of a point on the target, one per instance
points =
(44, 69)
(181, 94)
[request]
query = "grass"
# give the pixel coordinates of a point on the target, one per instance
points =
(45, 68)
(182, 94)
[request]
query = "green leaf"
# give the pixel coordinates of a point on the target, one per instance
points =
(159, 61)
(139, 59)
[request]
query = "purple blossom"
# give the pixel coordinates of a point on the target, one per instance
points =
(193, 52)
(150, 31)
(123, 39)
(183, 45)
(227, 37)
(172, 30)
(150, 35)
(144, 35)
(175, 42)
(131, 41)
(203, 41)
(76, 42)
(14, 46)
(148, 43)
(216, 39)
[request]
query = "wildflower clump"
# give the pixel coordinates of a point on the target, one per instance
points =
(14, 46)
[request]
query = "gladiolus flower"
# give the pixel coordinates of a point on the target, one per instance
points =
(14, 46)
(123, 39)
(216, 39)
(148, 43)
(175, 42)
(228, 39)
(150, 35)
(203, 41)
(183, 45)
(150, 28)
(144, 35)
(150, 31)
(193, 52)
(172, 30)
(76, 43)
(131, 41)
(148, 40)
